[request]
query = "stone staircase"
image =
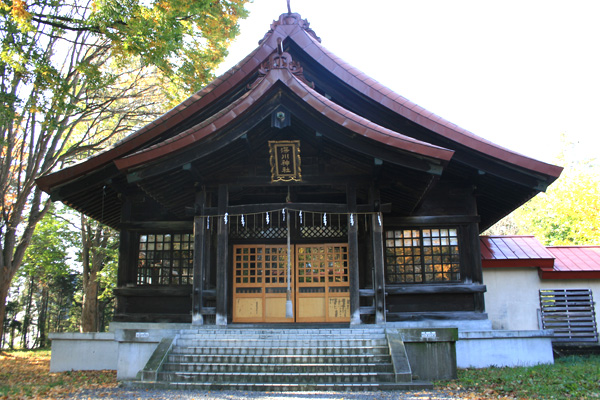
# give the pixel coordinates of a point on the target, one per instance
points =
(253, 359)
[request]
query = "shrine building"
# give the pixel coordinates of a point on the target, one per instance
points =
(294, 189)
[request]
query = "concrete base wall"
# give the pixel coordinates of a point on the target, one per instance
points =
(129, 347)
(137, 343)
(83, 351)
(503, 349)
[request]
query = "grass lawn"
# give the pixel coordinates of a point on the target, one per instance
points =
(24, 374)
(573, 377)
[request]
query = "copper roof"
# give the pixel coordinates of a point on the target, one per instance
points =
(292, 27)
(319, 103)
(221, 101)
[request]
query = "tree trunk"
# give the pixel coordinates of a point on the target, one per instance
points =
(89, 311)
(27, 317)
(43, 317)
(94, 241)
(4, 288)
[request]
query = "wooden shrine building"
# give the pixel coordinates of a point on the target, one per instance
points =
(294, 188)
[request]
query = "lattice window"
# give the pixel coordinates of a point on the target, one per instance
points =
(422, 255)
(570, 313)
(272, 232)
(322, 232)
(165, 259)
(256, 265)
(322, 264)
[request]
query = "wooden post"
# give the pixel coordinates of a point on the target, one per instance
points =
(222, 259)
(199, 259)
(353, 264)
(379, 276)
(127, 268)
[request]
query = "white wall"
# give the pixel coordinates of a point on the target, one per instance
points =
(512, 297)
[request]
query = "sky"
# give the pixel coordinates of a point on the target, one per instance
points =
(518, 73)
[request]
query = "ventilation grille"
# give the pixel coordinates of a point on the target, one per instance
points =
(570, 313)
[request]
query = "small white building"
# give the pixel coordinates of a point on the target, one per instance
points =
(530, 286)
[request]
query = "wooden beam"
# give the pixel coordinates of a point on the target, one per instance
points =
(353, 264)
(222, 257)
(435, 288)
(199, 261)
(378, 263)
(434, 220)
(306, 207)
(158, 225)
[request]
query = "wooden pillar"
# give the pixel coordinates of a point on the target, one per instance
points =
(353, 263)
(222, 259)
(378, 266)
(127, 269)
(199, 260)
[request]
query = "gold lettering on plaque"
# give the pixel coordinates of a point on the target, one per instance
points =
(285, 160)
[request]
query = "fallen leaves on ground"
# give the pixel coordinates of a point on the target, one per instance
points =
(26, 375)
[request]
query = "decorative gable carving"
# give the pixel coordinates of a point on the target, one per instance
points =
(291, 19)
(281, 60)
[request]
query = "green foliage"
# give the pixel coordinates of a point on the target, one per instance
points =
(568, 213)
(574, 377)
(76, 76)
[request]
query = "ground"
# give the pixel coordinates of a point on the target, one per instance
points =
(25, 375)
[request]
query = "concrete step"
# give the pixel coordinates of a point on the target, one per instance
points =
(279, 336)
(288, 342)
(327, 351)
(272, 368)
(278, 377)
(281, 387)
(274, 332)
(279, 359)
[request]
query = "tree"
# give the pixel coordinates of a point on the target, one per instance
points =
(568, 213)
(47, 279)
(72, 78)
(99, 249)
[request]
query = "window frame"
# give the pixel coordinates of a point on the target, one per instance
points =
(170, 264)
(456, 267)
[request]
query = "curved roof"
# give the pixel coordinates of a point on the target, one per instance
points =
(311, 98)
(293, 27)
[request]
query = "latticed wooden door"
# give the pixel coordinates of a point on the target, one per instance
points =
(323, 290)
(260, 283)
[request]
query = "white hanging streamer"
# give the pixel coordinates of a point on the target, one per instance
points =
(300, 217)
(325, 219)
(207, 222)
(268, 218)
(243, 221)
(352, 219)
(379, 219)
(226, 218)
(283, 212)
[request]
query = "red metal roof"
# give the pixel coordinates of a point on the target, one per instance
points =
(554, 262)
(514, 251)
(574, 262)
